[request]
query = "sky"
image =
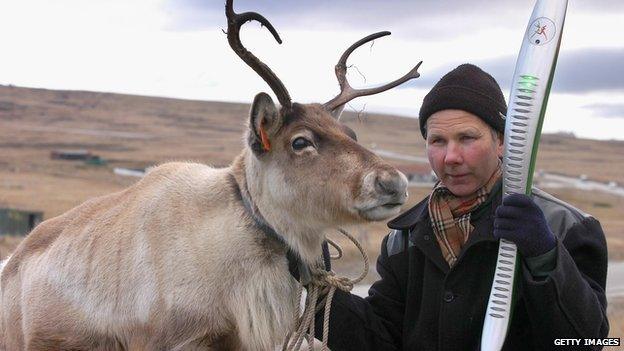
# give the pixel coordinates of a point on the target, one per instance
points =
(176, 48)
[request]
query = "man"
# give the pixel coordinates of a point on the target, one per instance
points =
(437, 264)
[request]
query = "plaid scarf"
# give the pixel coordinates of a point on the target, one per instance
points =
(450, 216)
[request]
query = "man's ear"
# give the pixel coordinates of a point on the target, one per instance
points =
(264, 121)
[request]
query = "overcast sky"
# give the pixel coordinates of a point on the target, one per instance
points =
(176, 48)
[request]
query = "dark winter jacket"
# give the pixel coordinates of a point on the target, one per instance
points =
(421, 304)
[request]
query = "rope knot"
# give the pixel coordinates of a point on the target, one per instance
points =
(323, 279)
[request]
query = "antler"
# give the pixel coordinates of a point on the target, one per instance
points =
(347, 93)
(235, 21)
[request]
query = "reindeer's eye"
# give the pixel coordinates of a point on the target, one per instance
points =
(300, 143)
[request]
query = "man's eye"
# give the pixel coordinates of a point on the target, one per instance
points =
(467, 137)
(300, 143)
(435, 141)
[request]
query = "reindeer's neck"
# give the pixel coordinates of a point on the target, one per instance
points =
(304, 240)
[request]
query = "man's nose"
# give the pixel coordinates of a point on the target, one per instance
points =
(453, 154)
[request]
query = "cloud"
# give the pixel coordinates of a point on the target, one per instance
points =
(424, 20)
(590, 70)
(577, 72)
(607, 110)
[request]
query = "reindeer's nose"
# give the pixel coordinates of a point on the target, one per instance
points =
(392, 183)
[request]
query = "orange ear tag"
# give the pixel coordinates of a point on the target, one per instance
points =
(266, 145)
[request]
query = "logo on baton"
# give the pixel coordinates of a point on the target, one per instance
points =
(541, 31)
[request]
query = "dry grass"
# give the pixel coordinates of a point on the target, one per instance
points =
(132, 131)
(615, 313)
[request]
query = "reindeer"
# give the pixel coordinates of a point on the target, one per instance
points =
(197, 258)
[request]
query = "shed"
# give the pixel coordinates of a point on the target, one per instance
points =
(70, 155)
(18, 222)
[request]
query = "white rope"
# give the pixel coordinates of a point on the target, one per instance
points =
(324, 283)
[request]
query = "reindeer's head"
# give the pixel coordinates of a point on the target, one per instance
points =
(303, 162)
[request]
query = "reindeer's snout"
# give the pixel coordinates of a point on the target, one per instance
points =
(383, 192)
(391, 183)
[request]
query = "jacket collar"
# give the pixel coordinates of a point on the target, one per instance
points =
(416, 222)
(411, 217)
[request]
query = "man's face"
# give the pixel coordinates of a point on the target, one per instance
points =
(462, 149)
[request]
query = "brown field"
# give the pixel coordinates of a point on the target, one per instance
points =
(137, 132)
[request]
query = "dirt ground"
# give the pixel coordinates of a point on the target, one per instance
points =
(137, 132)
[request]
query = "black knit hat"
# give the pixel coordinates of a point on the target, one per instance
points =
(467, 88)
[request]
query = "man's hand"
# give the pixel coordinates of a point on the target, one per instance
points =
(521, 221)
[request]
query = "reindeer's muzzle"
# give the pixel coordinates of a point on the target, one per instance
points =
(383, 193)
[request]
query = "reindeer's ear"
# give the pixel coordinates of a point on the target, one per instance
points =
(264, 121)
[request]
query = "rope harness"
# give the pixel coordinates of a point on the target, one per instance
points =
(323, 283)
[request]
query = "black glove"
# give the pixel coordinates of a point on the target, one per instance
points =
(521, 221)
